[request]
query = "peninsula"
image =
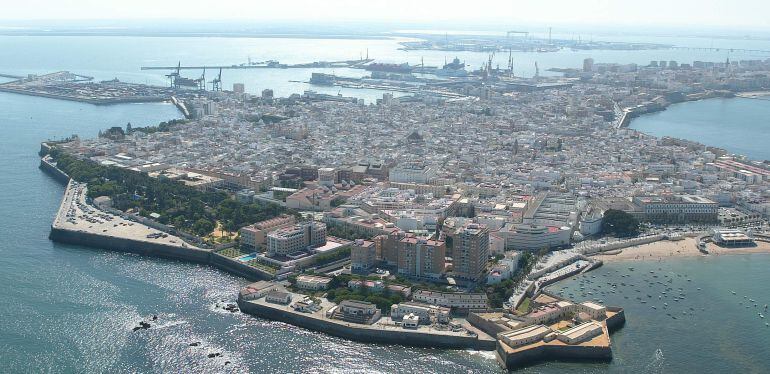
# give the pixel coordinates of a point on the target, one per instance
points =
(438, 219)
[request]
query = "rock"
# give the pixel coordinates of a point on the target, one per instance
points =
(212, 355)
(195, 344)
(154, 317)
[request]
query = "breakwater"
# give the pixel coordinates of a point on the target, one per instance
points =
(365, 333)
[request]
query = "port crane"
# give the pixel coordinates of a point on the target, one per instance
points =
(216, 84)
(202, 80)
(174, 75)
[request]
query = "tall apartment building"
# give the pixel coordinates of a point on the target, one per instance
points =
(419, 257)
(363, 255)
(255, 236)
(470, 251)
(386, 247)
(296, 238)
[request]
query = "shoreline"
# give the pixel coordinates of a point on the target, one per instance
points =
(662, 250)
(628, 119)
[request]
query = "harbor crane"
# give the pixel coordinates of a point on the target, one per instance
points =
(202, 80)
(216, 84)
(174, 75)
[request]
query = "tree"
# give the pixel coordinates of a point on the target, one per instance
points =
(203, 226)
(619, 223)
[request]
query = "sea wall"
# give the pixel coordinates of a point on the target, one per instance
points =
(554, 353)
(622, 244)
(238, 268)
(128, 245)
(364, 334)
(487, 326)
(47, 166)
(145, 248)
(616, 321)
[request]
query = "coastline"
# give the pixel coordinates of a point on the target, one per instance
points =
(121, 239)
(628, 120)
(662, 250)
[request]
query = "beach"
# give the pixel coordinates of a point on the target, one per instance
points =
(674, 249)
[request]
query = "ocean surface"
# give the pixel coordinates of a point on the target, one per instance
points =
(739, 125)
(71, 309)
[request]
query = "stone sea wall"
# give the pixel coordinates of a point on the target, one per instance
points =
(554, 353)
(144, 248)
(364, 334)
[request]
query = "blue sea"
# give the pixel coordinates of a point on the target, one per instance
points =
(71, 309)
(739, 125)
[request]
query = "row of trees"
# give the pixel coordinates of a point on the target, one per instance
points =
(501, 292)
(161, 127)
(184, 207)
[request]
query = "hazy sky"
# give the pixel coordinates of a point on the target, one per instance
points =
(685, 13)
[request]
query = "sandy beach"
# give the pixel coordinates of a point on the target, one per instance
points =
(753, 94)
(672, 249)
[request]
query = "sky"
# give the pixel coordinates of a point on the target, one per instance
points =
(671, 13)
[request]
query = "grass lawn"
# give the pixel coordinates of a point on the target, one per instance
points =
(524, 306)
(231, 252)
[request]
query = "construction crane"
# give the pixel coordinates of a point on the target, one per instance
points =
(216, 84)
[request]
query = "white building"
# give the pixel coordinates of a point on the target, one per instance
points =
(412, 173)
(312, 282)
(580, 333)
(524, 336)
(426, 313)
(298, 238)
(451, 299)
(327, 176)
(531, 237)
(504, 269)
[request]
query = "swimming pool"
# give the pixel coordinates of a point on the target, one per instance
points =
(248, 257)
